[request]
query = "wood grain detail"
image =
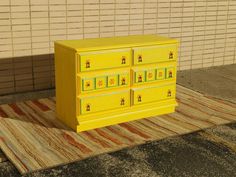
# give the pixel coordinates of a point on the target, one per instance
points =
(33, 139)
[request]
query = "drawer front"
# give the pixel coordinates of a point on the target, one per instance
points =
(89, 61)
(104, 102)
(106, 81)
(146, 95)
(144, 75)
(153, 54)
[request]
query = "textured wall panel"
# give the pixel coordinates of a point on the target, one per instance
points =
(28, 28)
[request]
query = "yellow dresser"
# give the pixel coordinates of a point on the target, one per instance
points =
(106, 81)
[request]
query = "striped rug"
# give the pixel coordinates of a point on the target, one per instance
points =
(32, 138)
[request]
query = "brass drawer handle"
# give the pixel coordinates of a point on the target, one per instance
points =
(170, 74)
(140, 58)
(169, 93)
(123, 60)
(140, 78)
(123, 81)
(88, 107)
(87, 84)
(139, 98)
(87, 64)
(171, 55)
(122, 101)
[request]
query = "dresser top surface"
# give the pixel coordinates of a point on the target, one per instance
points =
(114, 42)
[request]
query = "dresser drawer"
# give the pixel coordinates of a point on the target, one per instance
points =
(154, 73)
(89, 61)
(153, 54)
(102, 102)
(116, 78)
(151, 94)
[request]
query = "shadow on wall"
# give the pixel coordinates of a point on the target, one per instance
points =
(28, 73)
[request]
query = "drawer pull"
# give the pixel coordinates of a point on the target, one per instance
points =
(170, 74)
(87, 84)
(171, 55)
(169, 93)
(145, 95)
(140, 58)
(87, 64)
(104, 59)
(139, 98)
(123, 81)
(122, 101)
(154, 54)
(96, 103)
(140, 78)
(87, 107)
(123, 60)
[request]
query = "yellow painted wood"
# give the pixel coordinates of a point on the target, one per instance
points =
(154, 93)
(89, 82)
(101, 82)
(124, 79)
(160, 73)
(86, 45)
(139, 76)
(153, 73)
(66, 90)
(101, 102)
(89, 61)
(153, 54)
(131, 112)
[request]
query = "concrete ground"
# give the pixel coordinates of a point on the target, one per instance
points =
(210, 152)
(216, 81)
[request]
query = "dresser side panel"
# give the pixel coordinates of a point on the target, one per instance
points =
(65, 77)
